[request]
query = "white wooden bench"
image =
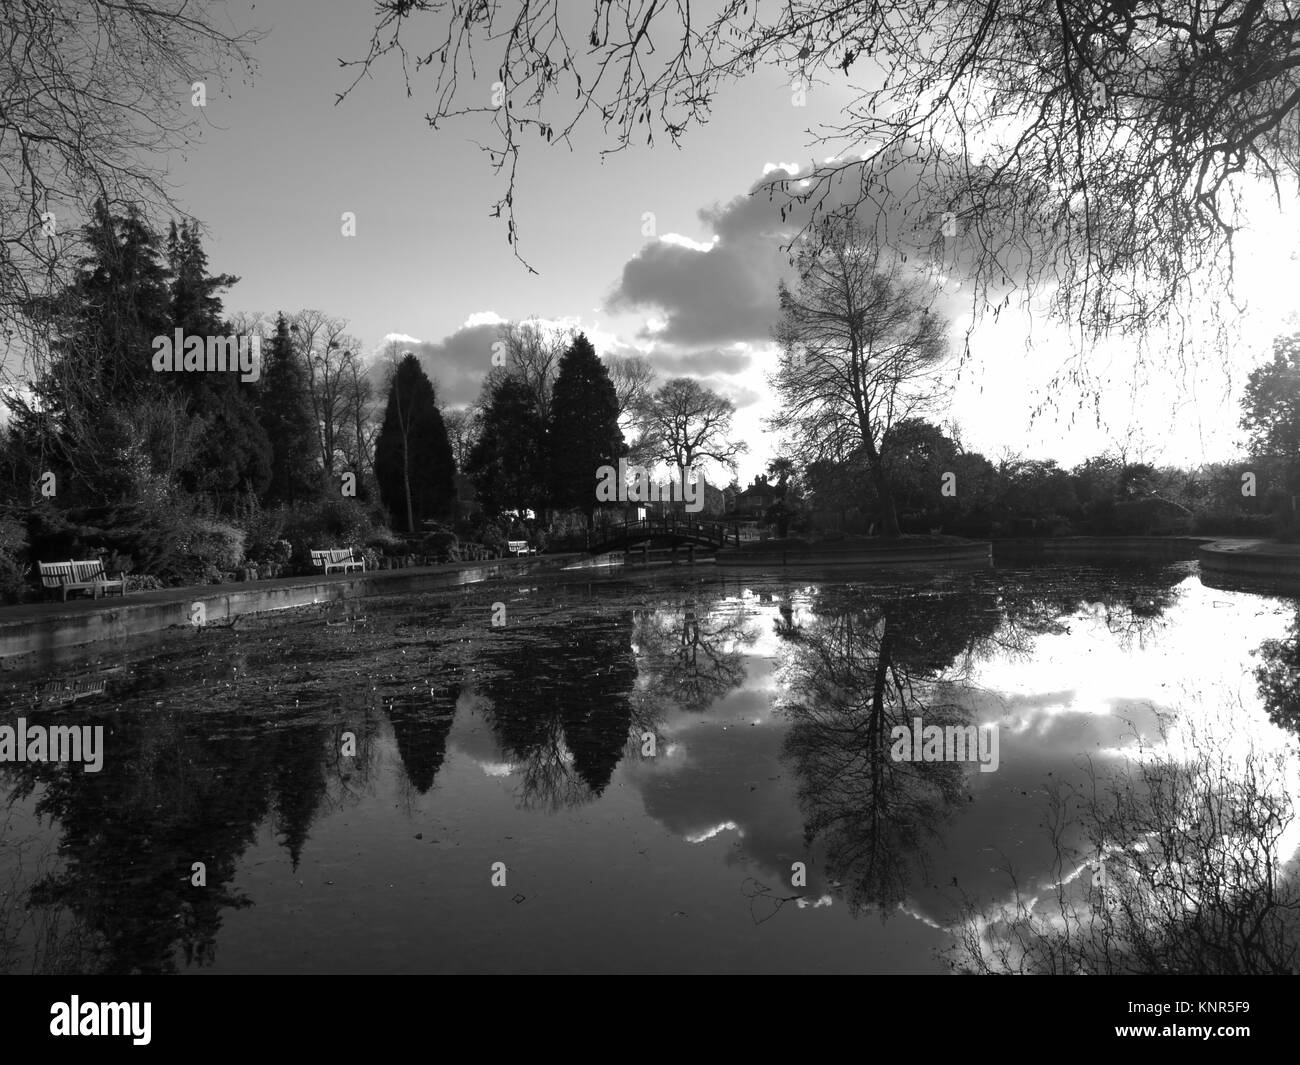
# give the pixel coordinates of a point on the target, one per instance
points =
(83, 576)
(517, 547)
(339, 558)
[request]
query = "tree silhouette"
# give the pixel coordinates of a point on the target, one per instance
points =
(286, 417)
(413, 461)
(508, 461)
(584, 433)
(858, 353)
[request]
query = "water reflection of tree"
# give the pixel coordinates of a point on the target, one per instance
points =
(421, 723)
(862, 667)
(1130, 600)
(695, 655)
(1199, 875)
(176, 787)
(561, 706)
(35, 939)
(1278, 676)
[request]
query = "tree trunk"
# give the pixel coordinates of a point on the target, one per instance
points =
(406, 484)
(888, 512)
(885, 509)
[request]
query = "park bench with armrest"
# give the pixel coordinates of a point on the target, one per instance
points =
(340, 558)
(80, 576)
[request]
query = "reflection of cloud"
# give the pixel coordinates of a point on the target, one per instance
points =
(734, 781)
(726, 826)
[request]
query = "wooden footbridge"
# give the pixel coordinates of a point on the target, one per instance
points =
(671, 530)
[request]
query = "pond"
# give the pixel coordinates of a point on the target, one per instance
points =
(676, 771)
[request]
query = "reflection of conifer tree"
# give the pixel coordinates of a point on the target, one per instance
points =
(175, 789)
(597, 722)
(298, 784)
(421, 724)
(561, 706)
(198, 755)
(173, 793)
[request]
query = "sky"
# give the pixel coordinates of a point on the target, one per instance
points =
(279, 162)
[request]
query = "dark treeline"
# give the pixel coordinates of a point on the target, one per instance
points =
(175, 472)
(270, 437)
(938, 485)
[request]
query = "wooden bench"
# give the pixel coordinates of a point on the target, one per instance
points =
(339, 558)
(83, 576)
(518, 547)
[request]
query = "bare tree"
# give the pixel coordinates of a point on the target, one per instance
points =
(859, 350)
(359, 410)
(633, 378)
(532, 353)
(1095, 150)
(685, 423)
(1168, 864)
(329, 361)
(462, 432)
(91, 96)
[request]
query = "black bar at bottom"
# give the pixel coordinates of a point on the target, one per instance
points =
(931, 1013)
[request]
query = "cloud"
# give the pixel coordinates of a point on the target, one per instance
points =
(701, 363)
(712, 293)
(457, 362)
(698, 293)
(484, 318)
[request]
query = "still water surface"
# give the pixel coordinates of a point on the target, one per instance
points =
(648, 756)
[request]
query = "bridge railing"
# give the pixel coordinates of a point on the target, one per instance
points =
(714, 531)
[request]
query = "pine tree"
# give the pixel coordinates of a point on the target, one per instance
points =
(285, 414)
(235, 456)
(112, 311)
(584, 431)
(413, 460)
(85, 419)
(508, 463)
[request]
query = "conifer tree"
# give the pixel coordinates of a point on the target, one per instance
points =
(286, 418)
(413, 460)
(584, 433)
